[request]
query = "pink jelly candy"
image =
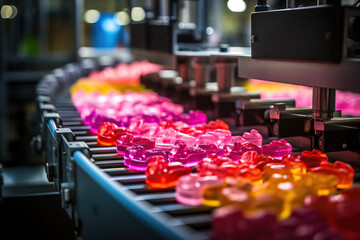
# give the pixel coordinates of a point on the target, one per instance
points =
(189, 188)
(137, 158)
(189, 156)
(128, 140)
(277, 148)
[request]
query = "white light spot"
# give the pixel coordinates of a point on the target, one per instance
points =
(137, 14)
(236, 5)
(8, 11)
(209, 30)
(122, 18)
(91, 16)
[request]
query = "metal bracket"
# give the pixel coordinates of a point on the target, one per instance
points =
(68, 200)
(55, 163)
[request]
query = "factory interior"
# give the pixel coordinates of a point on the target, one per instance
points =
(180, 119)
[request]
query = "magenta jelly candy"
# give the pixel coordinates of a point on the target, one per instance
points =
(236, 150)
(194, 117)
(128, 140)
(253, 137)
(277, 148)
(189, 156)
(137, 158)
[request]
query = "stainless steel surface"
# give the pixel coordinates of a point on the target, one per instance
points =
(166, 59)
(323, 103)
(343, 76)
(202, 71)
(184, 68)
(225, 75)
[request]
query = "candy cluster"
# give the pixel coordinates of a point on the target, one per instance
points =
(319, 217)
(254, 185)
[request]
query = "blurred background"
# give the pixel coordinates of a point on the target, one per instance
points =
(38, 36)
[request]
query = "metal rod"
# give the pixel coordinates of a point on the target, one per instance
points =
(262, 6)
(323, 103)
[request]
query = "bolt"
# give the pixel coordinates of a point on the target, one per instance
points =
(321, 143)
(253, 39)
(275, 129)
(66, 195)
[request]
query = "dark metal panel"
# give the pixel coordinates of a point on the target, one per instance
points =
(311, 33)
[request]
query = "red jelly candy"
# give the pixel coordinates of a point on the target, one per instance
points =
(230, 223)
(212, 125)
(262, 160)
(161, 174)
(343, 171)
(218, 166)
(109, 133)
(313, 158)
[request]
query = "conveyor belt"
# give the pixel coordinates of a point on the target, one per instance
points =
(109, 162)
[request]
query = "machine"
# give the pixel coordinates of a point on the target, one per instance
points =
(311, 44)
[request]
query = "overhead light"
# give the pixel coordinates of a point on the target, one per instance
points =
(137, 14)
(8, 11)
(109, 25)
(236, 5)
(122, 18)
(91, 16)
(209, 31)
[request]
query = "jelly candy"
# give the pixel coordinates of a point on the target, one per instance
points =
(187, 156)
(190, 187)
(137, 158)
(277, 148)
(343, 171)
(109, 133)
(295, 164)
(160, 174)
(313, 158)
(128, 140)
(229, 222)
(237, 149)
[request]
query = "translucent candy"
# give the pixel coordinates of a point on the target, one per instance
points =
(253, 137)
(109, 133)
(230, 223)
(189, 156)
(237, 149)
(160, 174)
(137, 158)
(193, 117)
(167, 138)
(129, 140)
(212, 125)
(190, 187)
(277, 148)
(219, 166)
(313, 158)
(343, 171)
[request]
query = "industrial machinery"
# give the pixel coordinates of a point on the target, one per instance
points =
(315, 46)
